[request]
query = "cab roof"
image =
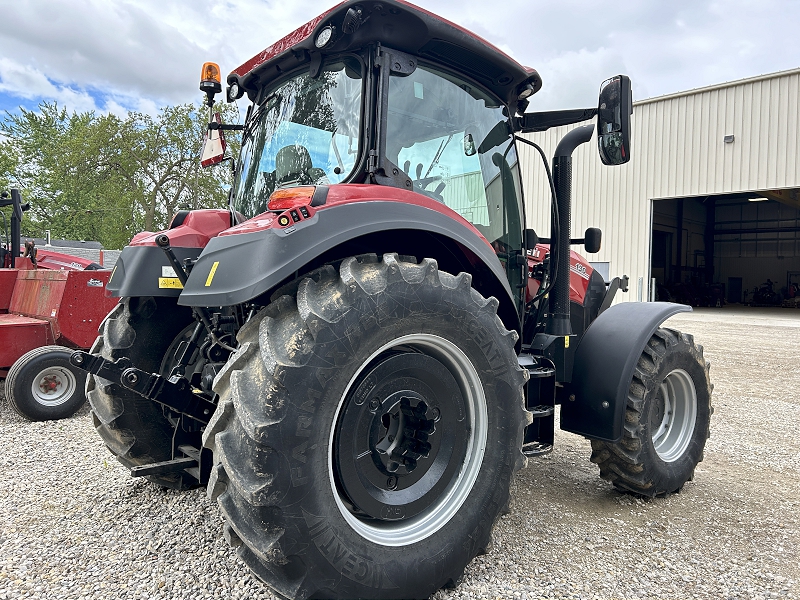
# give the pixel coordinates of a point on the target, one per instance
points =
(398, 25)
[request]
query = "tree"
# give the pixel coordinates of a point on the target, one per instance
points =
(166, 150)
(99, 177)
(69, 169)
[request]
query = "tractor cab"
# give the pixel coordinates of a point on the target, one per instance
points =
(387, 94)
(345, 99)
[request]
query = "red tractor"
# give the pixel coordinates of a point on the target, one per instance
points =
(357, 356)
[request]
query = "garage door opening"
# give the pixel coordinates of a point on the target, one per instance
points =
(727, 249)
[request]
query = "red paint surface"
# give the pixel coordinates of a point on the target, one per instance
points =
(56, 261)
(579, 273)
(304, 32)
(38, 294)
(52, 260)
(348, 193)
(83, 306)
(19, 335)
(7, 279)
(46, 307)
(282, 45)
(195, 232)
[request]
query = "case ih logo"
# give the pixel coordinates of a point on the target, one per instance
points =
(580, 270)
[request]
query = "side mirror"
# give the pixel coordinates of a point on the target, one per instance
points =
(592, 238)
(214, 144)
(531, 239)
(614, 111)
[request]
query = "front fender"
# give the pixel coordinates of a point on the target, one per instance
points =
(237, 268)
(594, 405)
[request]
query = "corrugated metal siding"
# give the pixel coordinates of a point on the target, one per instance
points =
(677, 151)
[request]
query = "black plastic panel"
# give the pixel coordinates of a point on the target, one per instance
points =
(251, 264)
(139, 268)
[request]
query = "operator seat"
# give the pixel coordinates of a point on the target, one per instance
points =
(293, 165)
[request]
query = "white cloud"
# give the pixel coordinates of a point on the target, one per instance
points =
(27, 82)
(142, 54)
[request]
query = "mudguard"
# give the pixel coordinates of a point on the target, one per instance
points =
(237, 268)
(145, 271)
(594, 405)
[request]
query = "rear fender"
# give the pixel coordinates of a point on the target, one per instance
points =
(248, 265)
(594, 405)
(143, 269)
(146, 271)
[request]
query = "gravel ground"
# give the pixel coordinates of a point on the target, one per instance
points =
(73, 524)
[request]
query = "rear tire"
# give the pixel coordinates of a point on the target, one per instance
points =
(367, 432)
(666, 420)
(43, 386)
(134, 428)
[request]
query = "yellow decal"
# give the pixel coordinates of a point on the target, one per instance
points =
(566, 341)
(170, 282)
(114, 270)
(211, 273)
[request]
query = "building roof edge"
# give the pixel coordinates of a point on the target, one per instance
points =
(718, 86)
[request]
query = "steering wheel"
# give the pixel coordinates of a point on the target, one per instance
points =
(421, 183)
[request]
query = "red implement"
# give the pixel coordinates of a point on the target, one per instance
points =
(50, 307)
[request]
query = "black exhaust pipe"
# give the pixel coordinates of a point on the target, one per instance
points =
(558, 322)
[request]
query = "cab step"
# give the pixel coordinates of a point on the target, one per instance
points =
(165, 467)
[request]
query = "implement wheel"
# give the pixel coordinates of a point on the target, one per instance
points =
(135, 429)
(368, 429)
(43, 386)
(666, 421)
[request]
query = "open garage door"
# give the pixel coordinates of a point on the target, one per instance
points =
(729, 248)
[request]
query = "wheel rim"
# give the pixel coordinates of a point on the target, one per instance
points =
(674, 415)
(53, 386)
(428, 443)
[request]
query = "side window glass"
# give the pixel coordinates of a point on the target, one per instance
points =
(449, 137)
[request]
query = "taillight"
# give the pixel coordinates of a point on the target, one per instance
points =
(293, 197)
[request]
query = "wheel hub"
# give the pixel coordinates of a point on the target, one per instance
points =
(409, 425)
(401, 438)
(53, 386)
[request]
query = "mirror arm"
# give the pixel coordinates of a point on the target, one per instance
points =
(223, 127)
(542, 121)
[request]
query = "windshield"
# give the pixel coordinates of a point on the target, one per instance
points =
(453, 141)
(305, 132)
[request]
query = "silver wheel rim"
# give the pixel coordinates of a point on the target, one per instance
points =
(53, 386)
(410, 531)
(673, 435)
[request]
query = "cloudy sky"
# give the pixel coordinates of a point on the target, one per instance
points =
(117, 55)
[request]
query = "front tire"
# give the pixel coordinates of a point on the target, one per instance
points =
(367, 432)
(42, 385)
(666, 420)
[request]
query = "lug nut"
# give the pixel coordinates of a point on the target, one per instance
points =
(436, 414)
(374, 403)
(391, 483)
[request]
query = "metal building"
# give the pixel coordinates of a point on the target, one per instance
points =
(708, 208)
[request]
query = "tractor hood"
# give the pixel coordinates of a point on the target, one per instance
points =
(396, 24)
